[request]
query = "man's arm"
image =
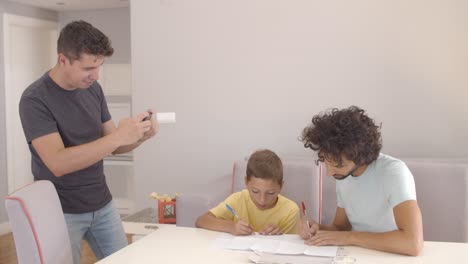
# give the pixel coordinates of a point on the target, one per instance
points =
(61, 160)
(408, 239)
(109, 127)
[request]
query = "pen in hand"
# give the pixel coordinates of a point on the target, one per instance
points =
(239, 220)
(232, 211)
(310, 231)
(304, 212)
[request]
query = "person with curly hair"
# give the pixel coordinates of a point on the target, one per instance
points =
(377, 205)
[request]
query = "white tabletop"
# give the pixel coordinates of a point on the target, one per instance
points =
(133, 228)
(172, 244)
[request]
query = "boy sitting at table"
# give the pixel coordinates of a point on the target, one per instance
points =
(258, 208)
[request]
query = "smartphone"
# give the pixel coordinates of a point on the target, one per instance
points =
(148, 117)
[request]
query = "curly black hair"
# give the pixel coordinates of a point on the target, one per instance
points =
(80, 37)
(347, 133)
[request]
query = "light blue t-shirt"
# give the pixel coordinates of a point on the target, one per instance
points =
(369, 199)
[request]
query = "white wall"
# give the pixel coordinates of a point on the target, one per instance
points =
(246, 74)
(114, 22)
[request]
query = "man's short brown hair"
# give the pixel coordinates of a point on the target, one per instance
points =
(80, 37)
(265, 164)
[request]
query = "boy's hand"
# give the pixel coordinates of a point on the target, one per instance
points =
(307, 229)
(242, 228)
(271, 229)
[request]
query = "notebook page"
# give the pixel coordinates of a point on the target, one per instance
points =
(266, 245)
(291, 248)
(323, 251)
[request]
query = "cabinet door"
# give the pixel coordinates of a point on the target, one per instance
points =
(116, 79)
(119, 178)
(119, 111)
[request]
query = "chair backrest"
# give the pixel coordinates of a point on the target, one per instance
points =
(302, 182)
(442, 193)
(329, 202)
(190, 206)
(38, 224)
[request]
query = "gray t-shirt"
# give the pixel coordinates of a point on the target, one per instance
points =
(77, 116)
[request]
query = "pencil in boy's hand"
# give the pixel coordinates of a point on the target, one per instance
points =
(305, 213)
(232, 211)
(236, 216)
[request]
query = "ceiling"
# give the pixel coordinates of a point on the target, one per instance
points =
(74, 5)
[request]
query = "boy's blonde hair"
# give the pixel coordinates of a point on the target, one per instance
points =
(265, 164)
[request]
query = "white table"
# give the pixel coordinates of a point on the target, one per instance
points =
(133, 228)
(172, 244)
(138, 230)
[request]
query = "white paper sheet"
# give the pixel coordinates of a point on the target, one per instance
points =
(283, 244)
(268, 258)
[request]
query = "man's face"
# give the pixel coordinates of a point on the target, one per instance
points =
(341, 171)
(82, 72)
(263, 192)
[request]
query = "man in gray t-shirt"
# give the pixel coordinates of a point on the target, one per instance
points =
(69, 131)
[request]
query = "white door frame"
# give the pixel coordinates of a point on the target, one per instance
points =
(10, 20)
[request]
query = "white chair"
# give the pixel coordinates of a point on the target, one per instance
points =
(302, 183)
(329, 202)
(190, 206)
(38, 225)
(442, 193)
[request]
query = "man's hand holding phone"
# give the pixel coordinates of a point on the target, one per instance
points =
(151, 124)
(149, 116)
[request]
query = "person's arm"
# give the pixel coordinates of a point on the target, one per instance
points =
(211, 222)
(407, 239)
(109, 127)
(61, 160)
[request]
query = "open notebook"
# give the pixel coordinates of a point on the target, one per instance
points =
(268, 258)
(283, 244)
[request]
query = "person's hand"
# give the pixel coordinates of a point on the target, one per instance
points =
(271, 229)
(154, 127)
(329, 238)
(241, 228)
(130, 130)
(307, 229)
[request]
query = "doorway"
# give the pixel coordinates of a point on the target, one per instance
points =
(29, 51)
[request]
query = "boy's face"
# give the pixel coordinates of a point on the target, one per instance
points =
(263, 192)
